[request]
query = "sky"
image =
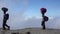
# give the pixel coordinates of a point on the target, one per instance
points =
(52, 7)
(26, 13)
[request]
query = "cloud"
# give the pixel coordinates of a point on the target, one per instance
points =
(54, 23)
(35, 22)
(26, 22)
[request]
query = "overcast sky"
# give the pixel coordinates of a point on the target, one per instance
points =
(26, 13)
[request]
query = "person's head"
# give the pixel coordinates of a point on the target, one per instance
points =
(4, 9)
(43, 11)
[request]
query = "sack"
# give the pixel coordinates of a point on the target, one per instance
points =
(46, 18)
(6, 16)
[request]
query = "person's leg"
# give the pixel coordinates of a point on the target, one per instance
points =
(4, 24)
(7, 25)
(43, 24)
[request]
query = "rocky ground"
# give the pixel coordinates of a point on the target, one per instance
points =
(31, 30)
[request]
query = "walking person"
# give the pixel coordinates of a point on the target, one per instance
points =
(44, 18)
(5, 18)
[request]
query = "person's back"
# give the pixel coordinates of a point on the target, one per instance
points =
(6, 16)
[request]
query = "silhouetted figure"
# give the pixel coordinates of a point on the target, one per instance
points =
(45, 18)
(5, 18)
(15, 33)
(28, 33)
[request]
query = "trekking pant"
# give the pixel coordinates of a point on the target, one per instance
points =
(43, 24)
(4, 24)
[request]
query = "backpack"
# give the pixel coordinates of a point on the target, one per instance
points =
(46, 18)
(6, 16)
